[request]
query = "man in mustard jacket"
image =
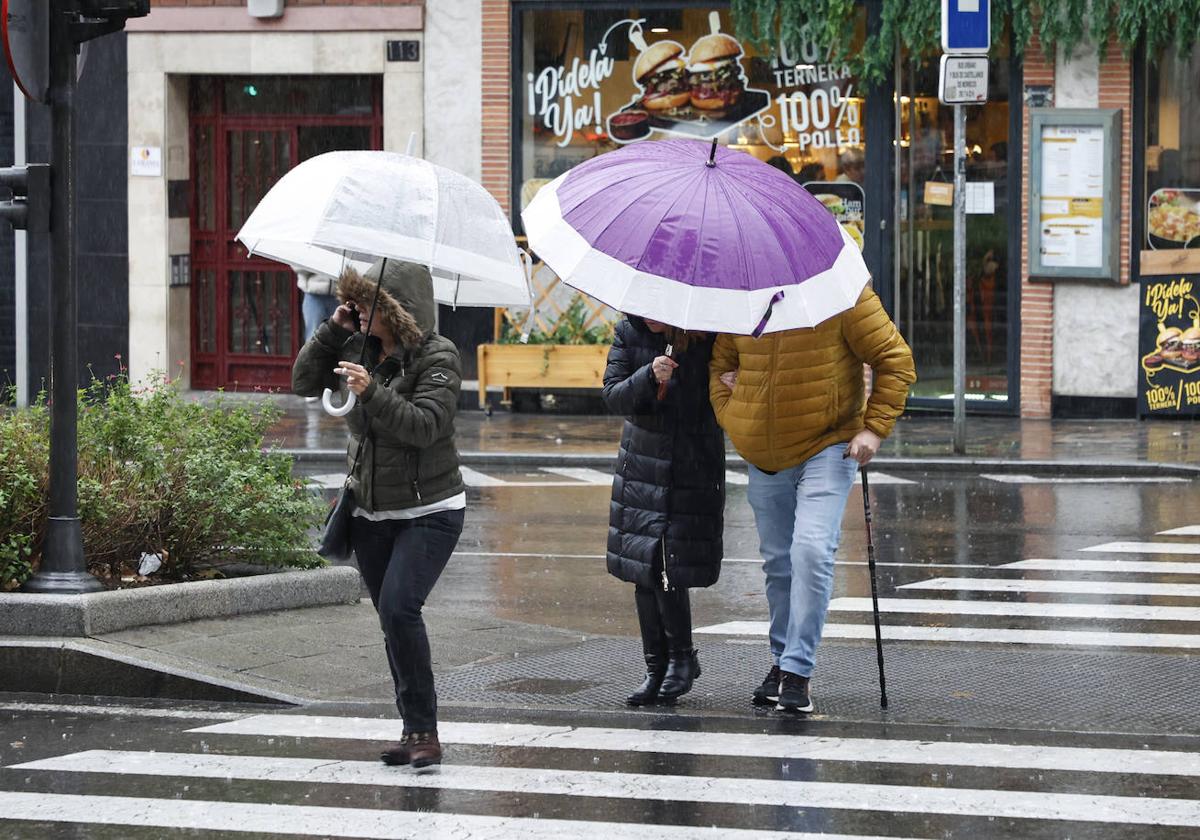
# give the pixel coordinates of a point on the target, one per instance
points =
(795, 407)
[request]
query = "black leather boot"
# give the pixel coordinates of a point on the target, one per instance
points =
(682, 669)
(654, 647)
(647, 692)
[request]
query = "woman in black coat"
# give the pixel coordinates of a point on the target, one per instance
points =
(668, 499)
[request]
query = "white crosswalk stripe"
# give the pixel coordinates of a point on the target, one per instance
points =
(375, 824)
(670, 788)
(1146, 548)
(1018, 478)
(1065, 587)
(1145, 567)
(987, 635)
(1185, 531)
(1051, 609)
(810, 747)
(576, 477)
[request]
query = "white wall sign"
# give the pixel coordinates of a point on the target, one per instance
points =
(145, 161)
(963, 79)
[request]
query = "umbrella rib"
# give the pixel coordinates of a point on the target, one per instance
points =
(774, 234)
(742, 256)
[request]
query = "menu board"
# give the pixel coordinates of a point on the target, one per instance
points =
(1074, 220)
(1072, 202)
(1169, 345)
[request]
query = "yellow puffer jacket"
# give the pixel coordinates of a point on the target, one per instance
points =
(801, 391)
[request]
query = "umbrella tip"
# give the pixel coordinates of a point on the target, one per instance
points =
(712, 155)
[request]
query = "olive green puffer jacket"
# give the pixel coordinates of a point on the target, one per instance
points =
(409, 458)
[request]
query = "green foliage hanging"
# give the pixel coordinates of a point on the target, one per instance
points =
(915, 26)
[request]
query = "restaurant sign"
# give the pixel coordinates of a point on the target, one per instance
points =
(700, 89)
(1169, 345)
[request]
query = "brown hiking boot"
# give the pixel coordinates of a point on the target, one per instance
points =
(400, 753)
(424, 750)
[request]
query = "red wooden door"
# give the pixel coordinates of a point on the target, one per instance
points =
(246, 322)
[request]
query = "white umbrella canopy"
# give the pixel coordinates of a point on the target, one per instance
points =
(360, 206)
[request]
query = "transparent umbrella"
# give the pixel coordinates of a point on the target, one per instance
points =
(359, 207)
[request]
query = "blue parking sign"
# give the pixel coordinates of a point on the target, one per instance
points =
(966, 26)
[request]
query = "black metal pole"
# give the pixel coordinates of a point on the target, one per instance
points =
(866, 488)
(63, 568)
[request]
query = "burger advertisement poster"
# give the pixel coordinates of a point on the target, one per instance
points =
(594, 81)
(1169, 381)
(697, 91)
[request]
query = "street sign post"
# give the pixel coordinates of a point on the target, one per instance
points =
(966, 26)
(25, 30)
(966, 37)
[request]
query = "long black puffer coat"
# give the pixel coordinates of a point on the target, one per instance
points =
(668, 499)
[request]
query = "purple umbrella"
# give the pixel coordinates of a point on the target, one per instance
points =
(704, 239)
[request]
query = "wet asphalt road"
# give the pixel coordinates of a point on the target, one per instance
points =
(973, 571)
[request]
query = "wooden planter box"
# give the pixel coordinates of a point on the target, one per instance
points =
(540, 366)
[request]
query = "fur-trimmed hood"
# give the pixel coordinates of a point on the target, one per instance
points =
(406, 306)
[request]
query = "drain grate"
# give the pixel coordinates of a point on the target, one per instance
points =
(542, 685)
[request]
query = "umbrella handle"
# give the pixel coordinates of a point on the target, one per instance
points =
(336, 410)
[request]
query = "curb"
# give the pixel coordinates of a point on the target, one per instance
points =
(107, 612)
(935, 465)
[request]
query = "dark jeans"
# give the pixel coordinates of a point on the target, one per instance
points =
(400, 561)
(665, 619)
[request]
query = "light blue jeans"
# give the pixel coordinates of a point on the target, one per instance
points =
(798, 512)
(317, 309)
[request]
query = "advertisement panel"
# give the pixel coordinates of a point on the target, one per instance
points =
(1169, 345)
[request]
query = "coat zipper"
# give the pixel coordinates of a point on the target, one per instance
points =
(666, 581)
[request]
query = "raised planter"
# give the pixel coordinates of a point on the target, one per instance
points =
(540, 366)
(22, 614)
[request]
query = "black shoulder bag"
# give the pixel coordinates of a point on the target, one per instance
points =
(335, 541)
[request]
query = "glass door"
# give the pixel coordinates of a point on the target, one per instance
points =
(924, 293)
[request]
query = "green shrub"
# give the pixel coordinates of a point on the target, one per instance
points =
(160, 474)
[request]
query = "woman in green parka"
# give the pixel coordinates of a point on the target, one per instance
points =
(410, 496)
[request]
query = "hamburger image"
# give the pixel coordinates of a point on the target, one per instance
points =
(1170, 345)
(661, 72)
(714, 74)
(1190, 346)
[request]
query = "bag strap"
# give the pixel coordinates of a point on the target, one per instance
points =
(362, 441)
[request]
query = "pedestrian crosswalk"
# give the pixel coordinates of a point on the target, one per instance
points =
(1069, 599)
(311, 775)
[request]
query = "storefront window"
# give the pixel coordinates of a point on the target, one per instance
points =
(924, 303)
(1173, 151)
(594, 80)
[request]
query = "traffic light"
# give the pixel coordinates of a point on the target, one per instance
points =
(111, 9)
(103, 17)
(29, 208)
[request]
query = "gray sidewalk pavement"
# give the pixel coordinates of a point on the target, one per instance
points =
(920, 439)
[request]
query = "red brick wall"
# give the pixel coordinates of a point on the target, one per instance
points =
(1037, 299)
(1116, 91)
(497, 100)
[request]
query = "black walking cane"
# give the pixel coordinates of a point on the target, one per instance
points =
(883, 703)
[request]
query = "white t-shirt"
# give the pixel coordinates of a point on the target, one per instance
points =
(458, 502)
